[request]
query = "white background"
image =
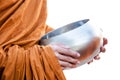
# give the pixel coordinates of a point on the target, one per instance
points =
(106, 14)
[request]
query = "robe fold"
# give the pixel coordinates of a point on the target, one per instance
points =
(22, 24)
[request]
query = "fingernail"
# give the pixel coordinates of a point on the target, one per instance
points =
(78, 54)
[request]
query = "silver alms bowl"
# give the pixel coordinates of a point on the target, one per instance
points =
(81, 36)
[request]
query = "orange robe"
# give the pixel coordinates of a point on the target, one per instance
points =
(22, 24)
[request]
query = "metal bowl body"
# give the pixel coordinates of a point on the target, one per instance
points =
(80, 36)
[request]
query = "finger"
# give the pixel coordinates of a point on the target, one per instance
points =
(97, 57)
(102, 49)
(65, 51)
(90, 61)
(63, 68)
(66, 58)
(61, 45)
(105, 41)
(66, 64)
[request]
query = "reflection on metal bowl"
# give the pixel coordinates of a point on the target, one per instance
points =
(81, 36)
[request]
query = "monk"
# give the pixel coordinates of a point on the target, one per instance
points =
(22, 24)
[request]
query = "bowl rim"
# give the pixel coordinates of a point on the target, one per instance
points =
(65, 28)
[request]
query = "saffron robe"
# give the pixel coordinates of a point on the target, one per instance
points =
(22, 24)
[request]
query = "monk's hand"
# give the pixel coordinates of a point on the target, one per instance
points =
(102, 50)
(66, 56)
